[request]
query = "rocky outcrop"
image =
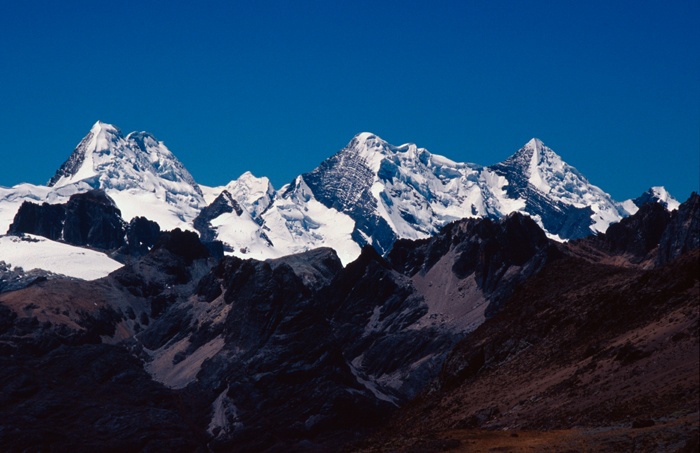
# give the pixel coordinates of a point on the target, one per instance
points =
(683, 232)
(43, 220)
(316, 268)
(280, 377)
(384, 327)
(92, 219)
(649, 238)
(141, 235)
(12, 279)
(87, 219)
(349, 340)
(639, 234)
(497, 254)
(222, 204)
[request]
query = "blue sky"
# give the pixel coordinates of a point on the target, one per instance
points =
(277, 87)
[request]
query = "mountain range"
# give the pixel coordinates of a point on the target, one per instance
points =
(370, 192)
(384, 301)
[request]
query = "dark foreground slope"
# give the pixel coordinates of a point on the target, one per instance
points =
(581, 344)
(177, 351)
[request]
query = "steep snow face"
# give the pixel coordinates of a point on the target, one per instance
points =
(392, 192)
(254, 194)
(137, 171)
(35, 252)
(227, 221)
(297, 222)
(555, 194)
(405, 191)
(662, 196)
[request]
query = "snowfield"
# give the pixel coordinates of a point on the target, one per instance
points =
(35, 252)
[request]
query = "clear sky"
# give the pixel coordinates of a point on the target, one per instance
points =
(276, 87)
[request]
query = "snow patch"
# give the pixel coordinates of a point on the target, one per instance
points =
(36, 252)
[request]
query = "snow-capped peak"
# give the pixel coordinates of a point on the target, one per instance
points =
(100, 126)
(367, 148)
(136, 171)
(662, 196)
(535, 144)
(657, 194)
(538, 167)
(253, 193)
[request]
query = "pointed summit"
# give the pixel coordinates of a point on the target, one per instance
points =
(658, 194)
(110, 128)
(132, 169)
(81, 163)
(534, 143)
(255, 194)
(568, 205)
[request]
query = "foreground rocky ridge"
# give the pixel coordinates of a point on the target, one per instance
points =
(301, 353)
(589, 341)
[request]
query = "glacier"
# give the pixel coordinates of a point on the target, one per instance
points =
(370, 192)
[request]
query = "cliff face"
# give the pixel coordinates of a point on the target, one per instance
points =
(683, 232)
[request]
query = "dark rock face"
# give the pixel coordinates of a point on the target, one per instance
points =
(649, 238)
(343, 182)
(488, 250)
(222, 204)
(43, 220)
(141, 235)
(282, 369)
(87, 219)
(638, 234)
(683, 232)
(94, 220)
(316, 268)
(185, 244)
(374, 312)
(74, 162)
(307, 347)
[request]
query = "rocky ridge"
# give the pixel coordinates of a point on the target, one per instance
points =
(589, 341)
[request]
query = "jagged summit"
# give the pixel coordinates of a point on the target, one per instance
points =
(135, 170)
(80, 165)
(369, 192)
(254, 193)
(658, 194)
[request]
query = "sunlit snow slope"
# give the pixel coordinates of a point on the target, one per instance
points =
(35, 252)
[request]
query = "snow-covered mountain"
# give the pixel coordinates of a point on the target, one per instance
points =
(370, 192)
(377, 193)
(656, 194)
(137, 171)
(555, 194)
